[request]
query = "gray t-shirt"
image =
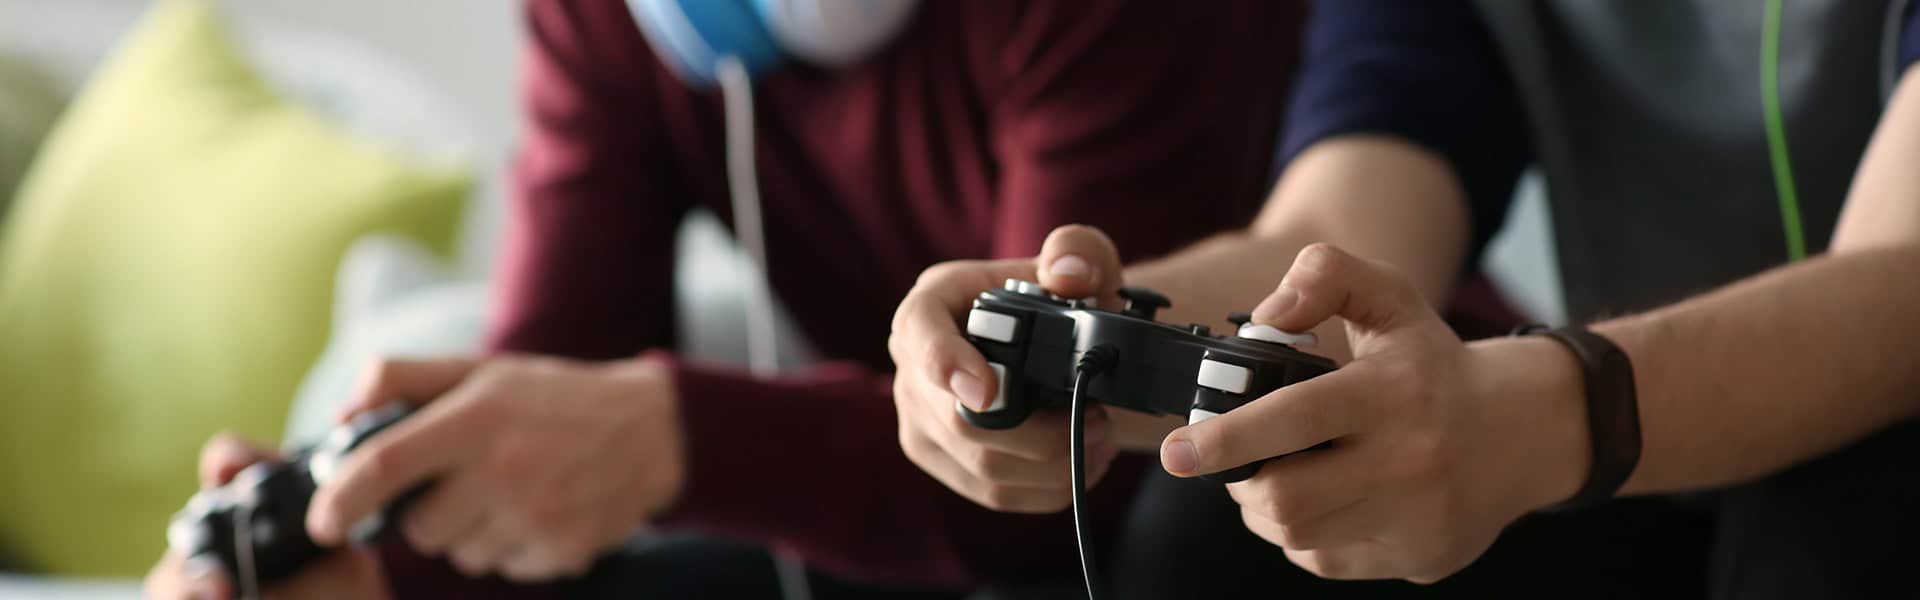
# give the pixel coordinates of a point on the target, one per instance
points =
(1645, 117)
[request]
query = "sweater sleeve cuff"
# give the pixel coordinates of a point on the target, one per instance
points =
(738, 436)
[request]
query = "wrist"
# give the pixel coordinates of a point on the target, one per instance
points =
(648, 386)
(1541, 382)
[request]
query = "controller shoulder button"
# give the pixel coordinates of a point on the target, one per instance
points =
(992, 325)
(1225, 377)
(1267, 333)
(1195, 416)
(1022, 286)
(1000, 393)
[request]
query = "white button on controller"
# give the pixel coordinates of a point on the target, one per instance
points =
(1224, 377)
(991, 325)
(1195, 416)
(1000, 395)
(1267, 333)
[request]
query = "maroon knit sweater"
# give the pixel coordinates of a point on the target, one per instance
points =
(984, 125)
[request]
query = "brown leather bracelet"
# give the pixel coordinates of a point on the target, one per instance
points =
(1613, 411)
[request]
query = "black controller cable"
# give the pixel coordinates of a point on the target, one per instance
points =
(1094, 362)
(243, 553)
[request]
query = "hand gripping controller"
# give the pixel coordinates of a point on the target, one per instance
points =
(255, 525)
(1033, 341)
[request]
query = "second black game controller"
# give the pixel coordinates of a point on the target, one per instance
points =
(255, 524)
(1034, 340)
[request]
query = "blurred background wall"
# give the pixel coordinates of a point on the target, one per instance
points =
(441, 71)
(467, 48)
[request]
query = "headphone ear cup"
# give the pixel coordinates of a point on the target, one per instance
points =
(833, 33)
(692, 36)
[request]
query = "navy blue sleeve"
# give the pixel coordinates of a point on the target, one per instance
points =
(1426, 71)
(1910, 37)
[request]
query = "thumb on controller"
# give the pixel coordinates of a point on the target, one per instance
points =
(1326, 282)
(1079, 261)
(225, 454)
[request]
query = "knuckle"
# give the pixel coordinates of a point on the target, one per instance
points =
(897, 341)
(1327, 565)
(1284, 505)
(909, 441)
(574, 551)
(938, 275)
(1013, 499)
(515, 464)
(999, 466)
(1000, 497)
(525, 573)
(1422, 457)
(423, 535)
(478, 416)
(975, 457)
(542, 511)
(470, 561)
(1320, 259)
(1298, 536)
(378, 463)
(932, 351)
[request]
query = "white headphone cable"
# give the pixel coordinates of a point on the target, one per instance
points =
(763, 348)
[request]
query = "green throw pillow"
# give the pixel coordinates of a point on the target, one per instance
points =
(168, 273)
(28, 104)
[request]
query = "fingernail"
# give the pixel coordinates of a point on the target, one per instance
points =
(320, 524)
(971, 392)
(1277, 304)
(1179, 457)
(1071, 266)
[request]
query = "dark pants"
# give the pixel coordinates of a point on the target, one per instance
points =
(1185, 540)
(1843, 526)
(692, 567)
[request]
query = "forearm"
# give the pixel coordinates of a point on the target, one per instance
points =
(1773, 370)
(1377, 197)
(1797, 361)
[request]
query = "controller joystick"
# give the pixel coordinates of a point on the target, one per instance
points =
(255, 524)
(1142, 303)
(1034, 342)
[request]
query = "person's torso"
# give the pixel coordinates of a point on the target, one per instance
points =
(871, 174)
(1649, 124)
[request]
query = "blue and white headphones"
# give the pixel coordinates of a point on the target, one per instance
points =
(693, 36)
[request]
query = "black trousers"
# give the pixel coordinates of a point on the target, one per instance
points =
(1843, 526)
(1185, 540)
(1846, 525)
(690, 567)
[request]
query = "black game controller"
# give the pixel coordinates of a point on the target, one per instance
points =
(1033, 340)
(255, 524)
